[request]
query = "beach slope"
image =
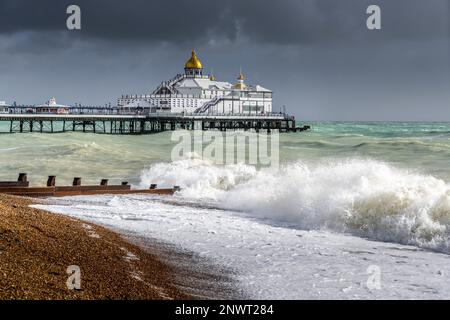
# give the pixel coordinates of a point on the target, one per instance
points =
(37, 247)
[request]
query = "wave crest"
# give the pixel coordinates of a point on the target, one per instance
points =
(363, 197)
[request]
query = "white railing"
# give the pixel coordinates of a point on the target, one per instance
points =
(170, 82)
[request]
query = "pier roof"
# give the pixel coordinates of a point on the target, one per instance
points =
(52, 103)
(139, 103)
(203, 84)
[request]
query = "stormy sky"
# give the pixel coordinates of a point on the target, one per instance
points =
(316, 55)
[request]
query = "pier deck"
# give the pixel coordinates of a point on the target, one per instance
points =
(146, 123)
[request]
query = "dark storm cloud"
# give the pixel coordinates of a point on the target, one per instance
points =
(195, 21)
(316, 55)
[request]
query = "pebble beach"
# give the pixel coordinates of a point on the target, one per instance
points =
(37, 247)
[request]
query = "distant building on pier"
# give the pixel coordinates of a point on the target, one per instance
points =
(194, 92)
(4, 107)
(52, 107)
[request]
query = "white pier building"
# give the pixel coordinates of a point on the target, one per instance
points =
(52, 107)
(4, 107)
(194, 92)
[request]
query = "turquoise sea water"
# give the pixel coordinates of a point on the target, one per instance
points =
(420, 147)
(424, 147)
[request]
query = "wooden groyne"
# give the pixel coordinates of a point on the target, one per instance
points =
(21, 188)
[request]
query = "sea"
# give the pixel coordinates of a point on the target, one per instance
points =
(354, 210)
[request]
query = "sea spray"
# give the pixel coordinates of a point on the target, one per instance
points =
(363, 197)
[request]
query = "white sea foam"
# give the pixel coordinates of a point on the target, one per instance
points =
(271, 262)
(364, 197)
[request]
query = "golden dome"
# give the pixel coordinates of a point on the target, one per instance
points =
(193, 62)
(241, 77)
(212, 78)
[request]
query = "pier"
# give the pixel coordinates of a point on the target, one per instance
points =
(114, 123)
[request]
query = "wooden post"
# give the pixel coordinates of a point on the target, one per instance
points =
(104, 182)
(51, 181)
(22, 177)
(153, 186)
(76, 181)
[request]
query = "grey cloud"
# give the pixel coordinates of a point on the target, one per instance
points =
(182, 21)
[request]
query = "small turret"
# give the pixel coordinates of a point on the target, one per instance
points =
(240, 84)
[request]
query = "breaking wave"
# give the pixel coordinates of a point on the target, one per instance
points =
(366, 198)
